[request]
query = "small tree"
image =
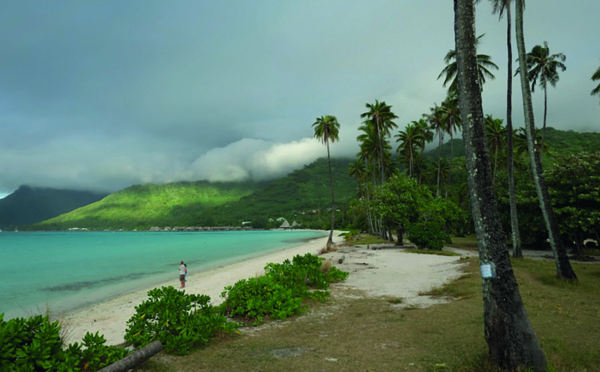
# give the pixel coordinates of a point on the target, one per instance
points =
(574, 187)
(403, 203)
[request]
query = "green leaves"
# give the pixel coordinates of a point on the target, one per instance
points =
(34, 344)
(180, 321)
(280, 292)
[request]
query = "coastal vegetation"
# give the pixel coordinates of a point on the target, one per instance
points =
(353, 332)
(35, 344)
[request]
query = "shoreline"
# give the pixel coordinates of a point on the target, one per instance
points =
(109, 318)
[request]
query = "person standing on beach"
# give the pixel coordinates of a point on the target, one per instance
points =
(182, 272)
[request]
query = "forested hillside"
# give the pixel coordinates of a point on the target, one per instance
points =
(204, 203)
(141, 206)
(303, 195)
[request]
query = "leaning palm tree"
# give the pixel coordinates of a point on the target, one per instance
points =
(411, 139)
(563, 265)
(595, 77)
(327, 130)
(512, 342)
(544, 66)
(381, 117)
(484, 64)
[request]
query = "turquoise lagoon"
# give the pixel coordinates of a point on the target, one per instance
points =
(64, 271)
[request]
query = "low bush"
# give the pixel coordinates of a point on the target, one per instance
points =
(34, 344)
(429, 234)
(178, 320)
(281, 291)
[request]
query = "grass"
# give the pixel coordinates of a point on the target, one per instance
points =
(353, 333)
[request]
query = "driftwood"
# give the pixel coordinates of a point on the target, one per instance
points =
(135, 358)
(342, 259)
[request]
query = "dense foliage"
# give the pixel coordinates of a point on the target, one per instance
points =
(402, 202)
(281, 291)
(35, 344)
(574, 187)
(178, 320)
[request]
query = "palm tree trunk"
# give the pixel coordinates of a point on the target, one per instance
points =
(512, 192)
(330, 240)
(495, 166)
(511, 340)
(439, 175)
(451, 159)
(545, 114)
(563, 266)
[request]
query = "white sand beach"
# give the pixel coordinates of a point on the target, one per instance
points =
(383, 272)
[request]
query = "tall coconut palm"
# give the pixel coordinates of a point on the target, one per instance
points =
(436, 122)
(451, 118)
(428, 136)
(502, 7)
(543, 66)
(595, 77)
(411, 139)
(484, 64)
(512, 343)
(495, 136)
(381, 117)
(327, 130)
(563, 265)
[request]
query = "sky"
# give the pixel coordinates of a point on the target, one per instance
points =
(101, 95)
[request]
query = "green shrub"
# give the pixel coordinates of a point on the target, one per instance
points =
(280, 292)
(429, 234)
(178, 320)
(34, 344)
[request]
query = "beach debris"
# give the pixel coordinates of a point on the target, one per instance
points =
(341, 259)
(135, 358)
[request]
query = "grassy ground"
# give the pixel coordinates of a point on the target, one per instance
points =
(354, 333)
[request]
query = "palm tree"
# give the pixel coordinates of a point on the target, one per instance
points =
(495, 134)
(563, 265)
(411, 139)
(543, 66)
(327, 130)
(436, 121)
(428, 136)
(500, 7)
(484, 64)
(595, 77)
(381, 117)
(512, 343)
(451, 119)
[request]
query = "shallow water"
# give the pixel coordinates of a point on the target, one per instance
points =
(68, 270)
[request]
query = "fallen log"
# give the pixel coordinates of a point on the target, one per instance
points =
(342, 259)
(134, 359)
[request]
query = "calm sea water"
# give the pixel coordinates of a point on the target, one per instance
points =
(70, 270)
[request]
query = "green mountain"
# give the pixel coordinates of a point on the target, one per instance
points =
(204, 203)
(29, 205)
(303, 195)
(142, 206)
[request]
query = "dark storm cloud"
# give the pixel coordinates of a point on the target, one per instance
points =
(110, 93)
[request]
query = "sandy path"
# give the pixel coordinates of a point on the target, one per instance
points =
(383, 272)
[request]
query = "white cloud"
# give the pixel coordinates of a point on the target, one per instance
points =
(255, 159)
